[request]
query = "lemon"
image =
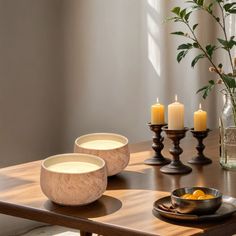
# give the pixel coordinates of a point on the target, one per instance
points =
(202, 197)
(186, 195)
(191, 197)
(209, 196)
(198, 193)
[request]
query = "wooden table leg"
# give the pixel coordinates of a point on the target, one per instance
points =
(82, 233)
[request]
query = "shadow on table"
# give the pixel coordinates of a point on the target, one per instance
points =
(105, 205)
(148, 179)
(8, 182)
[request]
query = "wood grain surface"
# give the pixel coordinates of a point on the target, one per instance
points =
(126, 206)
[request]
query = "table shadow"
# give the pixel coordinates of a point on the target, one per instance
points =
(105, 205)
(150, 179)
(8, 182)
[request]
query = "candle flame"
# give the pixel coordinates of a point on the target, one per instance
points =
(176, 97)
(157, 100)
(200, 106)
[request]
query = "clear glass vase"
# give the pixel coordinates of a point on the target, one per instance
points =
(228, 133)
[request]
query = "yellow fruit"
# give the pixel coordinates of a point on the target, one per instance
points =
(186, 195)
(209, 196)
(198, 193)
(205, 197)
(201, 197)
(191, 197)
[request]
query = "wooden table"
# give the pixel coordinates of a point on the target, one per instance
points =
(126, 206)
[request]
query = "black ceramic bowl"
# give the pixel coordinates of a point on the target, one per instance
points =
(200, 207)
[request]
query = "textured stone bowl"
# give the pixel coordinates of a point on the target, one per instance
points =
(116, 156)
(73, 187)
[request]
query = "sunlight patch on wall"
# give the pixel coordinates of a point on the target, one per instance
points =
(153, 28)
(154, 54)
(155, 4)
(153, 47)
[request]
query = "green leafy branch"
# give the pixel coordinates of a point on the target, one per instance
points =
(183, 16)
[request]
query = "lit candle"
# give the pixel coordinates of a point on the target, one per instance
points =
(157, 114)
(176, 115)
(200, 119)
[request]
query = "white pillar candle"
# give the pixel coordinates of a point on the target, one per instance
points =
(176, 115)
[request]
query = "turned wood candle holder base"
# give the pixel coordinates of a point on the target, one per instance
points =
(200, 159)
(176, 166)
(157, 146)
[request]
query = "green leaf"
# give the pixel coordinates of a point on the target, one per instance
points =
(181, 55)
(185, 46)
(209, 8)
(201, 89)
(187, 15)
(227, 44)
(230, 7)
(196, 59)
(212, 82)
(178, 33)
(232, 11)
(176, 10)
(229, 80)
(223, 42)
(200, 2)
(207, 89)
(195, 26)
(182, 13)
(210, 49)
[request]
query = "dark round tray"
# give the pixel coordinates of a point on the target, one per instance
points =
(227, 208)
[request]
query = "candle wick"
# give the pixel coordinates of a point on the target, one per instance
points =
(176, 97)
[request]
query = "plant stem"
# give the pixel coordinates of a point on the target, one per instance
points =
(223, 27)
(202, 49)
(226, 36)
(216, 69)
(213, 17)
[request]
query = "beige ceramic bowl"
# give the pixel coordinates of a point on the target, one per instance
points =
(73, 179)
(112, 148)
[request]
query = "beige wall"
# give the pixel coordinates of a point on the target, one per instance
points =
(106, 88)
(31, 95)
(31, 92)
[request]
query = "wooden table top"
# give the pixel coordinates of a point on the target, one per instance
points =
(126, 206)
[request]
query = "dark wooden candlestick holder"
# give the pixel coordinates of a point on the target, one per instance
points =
(157, 146)
(200, 159)
(176, 166)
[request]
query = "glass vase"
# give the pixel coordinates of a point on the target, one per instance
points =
(228, 133)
